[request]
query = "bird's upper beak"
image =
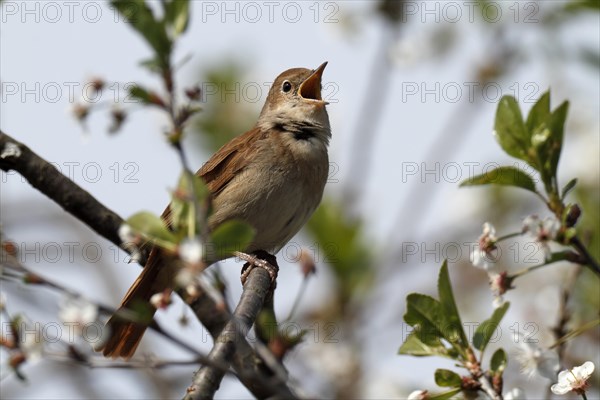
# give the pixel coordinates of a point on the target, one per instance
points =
(310, 89)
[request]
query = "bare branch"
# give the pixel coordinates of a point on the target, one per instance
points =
(43, 176)
(207, 379)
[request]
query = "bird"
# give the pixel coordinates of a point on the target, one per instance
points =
(272, 177)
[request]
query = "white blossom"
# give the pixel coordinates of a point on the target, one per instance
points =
(418, 395)
(498, 301)
(499, 284)
(77, 312)
(185, 277)
(574, 379)
(31, 340)
(161, 300)
(191, 250)
(534, 359)
(543, 231)
(127, 234)
(482, 257)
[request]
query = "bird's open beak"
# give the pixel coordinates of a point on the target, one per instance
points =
(310, 89)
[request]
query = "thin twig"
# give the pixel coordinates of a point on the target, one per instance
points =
(9, 262)
(488, 389)
(298, 298)
(564, 316)
(589, 259)
(146, 363)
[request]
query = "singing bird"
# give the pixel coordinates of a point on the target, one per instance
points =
(272, 177)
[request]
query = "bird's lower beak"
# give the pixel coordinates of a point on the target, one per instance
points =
(310, 89)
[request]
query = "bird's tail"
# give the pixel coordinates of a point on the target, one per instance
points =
(127, 326)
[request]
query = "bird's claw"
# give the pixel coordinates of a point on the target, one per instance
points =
(257, 259)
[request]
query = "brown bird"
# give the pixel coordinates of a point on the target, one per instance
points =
(271, 177)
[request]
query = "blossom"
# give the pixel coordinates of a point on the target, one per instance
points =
(31, 340)
(515, 394)
(185, 277)
(127, 234)
(161, 300)
(80, 112)
(196, 283)
(77, 312)
(307, 263)
(191, 250)
(542, 231)
(534, 359)
(418, 395)
(499, 284)
(573, 379)
(482, 256)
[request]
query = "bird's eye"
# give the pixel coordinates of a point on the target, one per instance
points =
(286, 87)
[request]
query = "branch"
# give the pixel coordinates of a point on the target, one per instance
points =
(207, 379)
(588, 259)
(47, 179)
(246, 361)
(79, 203)
(488, 389)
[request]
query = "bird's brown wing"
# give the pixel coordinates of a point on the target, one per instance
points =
(231, 159)
(155, 278)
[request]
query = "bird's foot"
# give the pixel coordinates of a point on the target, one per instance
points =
(260, 259)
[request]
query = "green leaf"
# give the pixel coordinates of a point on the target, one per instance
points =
(443, 396)
(452, 325)
(425, 313)
(177, 14)
(557, 126)
(508, 176)
(539, 113)
(484, 332)
(583, 5)
(510, 130)
(139, 93)
(266, 325)
(568, 187)
(447, 378)
(569, 234)
(546, 140)
(140, 16)
(498, 361)
(228, 237)
(151, 227)
(414, 346)
(200, 190)
(152, 64)
(182, 215)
